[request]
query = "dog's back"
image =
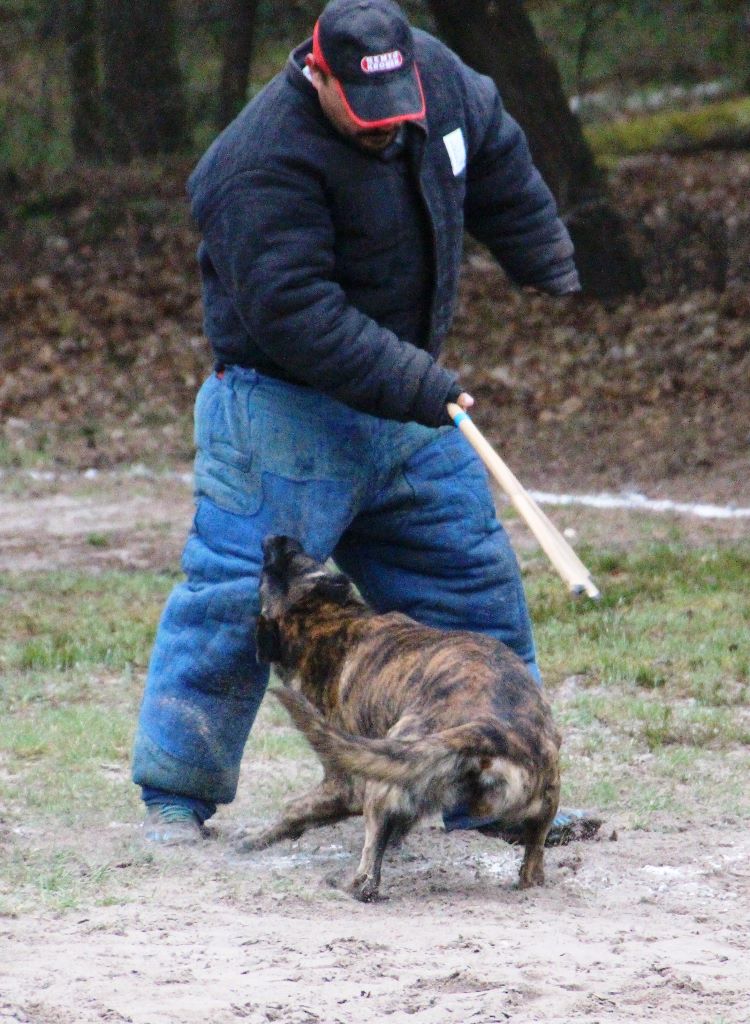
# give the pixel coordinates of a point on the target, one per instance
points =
(440, 718)
(396, 667)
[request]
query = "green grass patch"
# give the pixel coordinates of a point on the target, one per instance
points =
(672, 129)
(671, 621)
(73, 650)
(61, 620)
(21, 456)
(654, 681)
(60, 880)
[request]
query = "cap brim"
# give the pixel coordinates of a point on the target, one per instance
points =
(385, 101)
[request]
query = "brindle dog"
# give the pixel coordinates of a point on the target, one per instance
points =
(407, 720)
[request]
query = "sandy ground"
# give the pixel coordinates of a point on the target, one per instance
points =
(639, 925)
(652, 926)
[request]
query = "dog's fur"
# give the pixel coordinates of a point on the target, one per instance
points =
(427, 718)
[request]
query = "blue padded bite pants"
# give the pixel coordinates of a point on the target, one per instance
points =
(403, 509)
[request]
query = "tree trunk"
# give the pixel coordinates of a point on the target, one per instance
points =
(143, 91)
(498, 39)
(238, 50)
(83, 75)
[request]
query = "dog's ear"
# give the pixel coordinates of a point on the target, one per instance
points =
(335, 588)
(267, 641)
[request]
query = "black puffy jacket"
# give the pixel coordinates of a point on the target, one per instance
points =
(304, 241)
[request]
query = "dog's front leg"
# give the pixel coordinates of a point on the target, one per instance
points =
(335, 798)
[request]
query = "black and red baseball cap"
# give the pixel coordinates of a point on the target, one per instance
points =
(367, 46)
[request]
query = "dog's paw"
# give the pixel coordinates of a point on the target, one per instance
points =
(530, 879)
(250, 842)
(365, 890)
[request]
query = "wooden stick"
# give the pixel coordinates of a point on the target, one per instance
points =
(560, 553)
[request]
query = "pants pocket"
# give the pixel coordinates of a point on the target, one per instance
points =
(226, 465)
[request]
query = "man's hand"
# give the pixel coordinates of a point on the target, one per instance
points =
(463, 400)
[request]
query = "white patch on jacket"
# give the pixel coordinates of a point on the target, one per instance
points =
(454, 143)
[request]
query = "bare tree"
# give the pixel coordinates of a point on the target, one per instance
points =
(83, 74)
(144, 98)
(499, 40)
(595, 14)
(239, 36)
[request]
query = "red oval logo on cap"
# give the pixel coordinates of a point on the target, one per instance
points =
(382, 62)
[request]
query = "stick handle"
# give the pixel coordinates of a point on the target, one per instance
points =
(560, 553)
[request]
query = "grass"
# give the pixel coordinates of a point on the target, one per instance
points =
(651, 687)
(671, 622)
(668, 129)
(652, 684)
(61, 621)
(21, 456)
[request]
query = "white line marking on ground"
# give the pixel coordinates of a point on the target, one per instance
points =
(631, 501)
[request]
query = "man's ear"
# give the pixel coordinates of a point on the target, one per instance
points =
(313, 70)
(267, 641)
(334, 588)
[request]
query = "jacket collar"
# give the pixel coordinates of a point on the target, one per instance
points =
(296, 72)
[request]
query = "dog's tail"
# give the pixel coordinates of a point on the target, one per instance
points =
(430, 761)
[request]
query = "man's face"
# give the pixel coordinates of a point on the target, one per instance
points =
(374, 139)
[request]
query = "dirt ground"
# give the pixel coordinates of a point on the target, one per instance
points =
(640, 924)
(652, 926)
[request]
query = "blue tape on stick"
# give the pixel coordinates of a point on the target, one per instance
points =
(460, 417)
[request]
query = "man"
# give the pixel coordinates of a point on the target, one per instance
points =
(332, 212)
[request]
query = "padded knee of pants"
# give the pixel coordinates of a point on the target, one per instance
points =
(155, 768)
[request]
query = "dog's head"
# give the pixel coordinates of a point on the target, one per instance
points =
(291, 581)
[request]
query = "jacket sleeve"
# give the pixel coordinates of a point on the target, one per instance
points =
(508, 206)
(270, 237)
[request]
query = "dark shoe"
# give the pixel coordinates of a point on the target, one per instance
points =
(172, 825)
(569, 826)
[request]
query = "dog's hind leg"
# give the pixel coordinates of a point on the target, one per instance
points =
(389, 814)
(333, 800)
(532, 866)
